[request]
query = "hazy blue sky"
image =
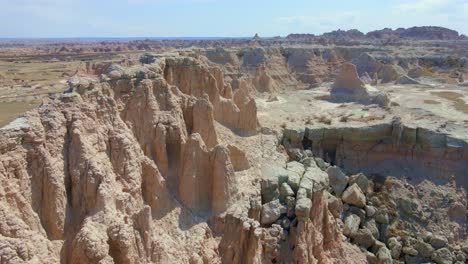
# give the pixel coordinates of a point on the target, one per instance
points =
(205, 18)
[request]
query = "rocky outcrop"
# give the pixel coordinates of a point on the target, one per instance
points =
(92, 171)
(384, 148)
(349, 88)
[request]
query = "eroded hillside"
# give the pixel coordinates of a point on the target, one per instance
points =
(244, 155)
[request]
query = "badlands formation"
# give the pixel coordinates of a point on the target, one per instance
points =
(342, 148)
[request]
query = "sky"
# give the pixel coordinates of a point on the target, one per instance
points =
(220, 18)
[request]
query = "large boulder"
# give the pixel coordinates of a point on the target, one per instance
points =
(354, 196)
(384, 256)
(351, 224)
(271, 212)
(442, 256)
(349, 88)
(424, 248)
(338, 180)
(363, 238)
(361, 180)
(303, 206)
(395, 247)
(314, 180)
(272, 178)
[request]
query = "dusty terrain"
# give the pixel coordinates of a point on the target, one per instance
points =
(340, 148)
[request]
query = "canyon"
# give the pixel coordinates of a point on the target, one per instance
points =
(345, 147)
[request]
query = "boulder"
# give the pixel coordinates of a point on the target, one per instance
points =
(357, 211)
(335, 205)
(371, 225)
(382, 217)
(361, 180)
(303, 206)
(371, 258)
(363, 238)
(377, 246)
(354, 196)
(370, 210)
(290, 206)
(272, 211)
(351, 224)
(438, 241)
(423, 248)
(296, 167)
(294, 180)
(442, 256)
(285, 191)
(410, 206)
(384, 256)
(321, 163)
(338, 180)
(409, 251)
(269, 189)
(395, 247)
(273, 177)
(314, 180)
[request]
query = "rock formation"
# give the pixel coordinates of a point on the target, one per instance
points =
(349, 88)
(94, 168)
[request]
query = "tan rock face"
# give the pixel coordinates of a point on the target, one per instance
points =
(85, 177)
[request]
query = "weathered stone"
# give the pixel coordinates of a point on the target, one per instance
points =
(314, 180)
(321, 163)
(272, 211)
(303, 206)
(292, 138)
(370, 210)
(438, 241)
(395, 247)
(335, 205)
(296, 167)
(349, 88)
(382, 217)
(354, 196)
(371, 258)
(409, 251)
(363, 238)
(409, 206)
(357, 211)
(371, 225)
(351, 224)
(442, 256)
(285, 191)
(384, 256)
(293, 181)
(269, 189)
(376, 247)
(255, 208)
(338, 180)
(291, 206)
(423, 248)
(273, 177)
(361, 180)
(296, 154)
